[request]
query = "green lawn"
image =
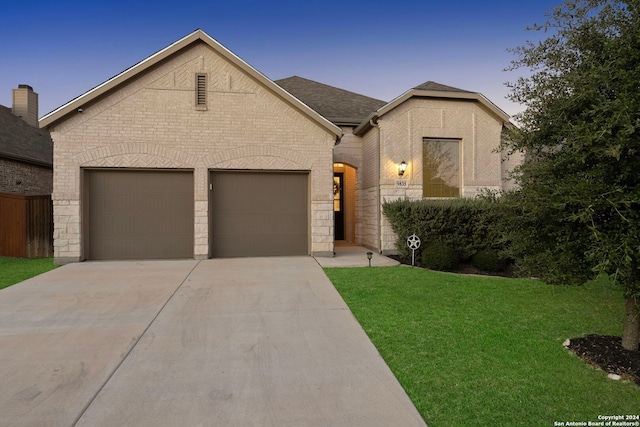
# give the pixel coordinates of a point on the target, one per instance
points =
(14, 270)
(480, 351)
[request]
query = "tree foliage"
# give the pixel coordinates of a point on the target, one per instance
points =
(580, 192)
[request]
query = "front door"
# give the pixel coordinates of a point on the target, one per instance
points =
(338, 206)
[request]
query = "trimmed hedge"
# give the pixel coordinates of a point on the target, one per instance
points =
(439, 256)
(489, 260)
(465, 225)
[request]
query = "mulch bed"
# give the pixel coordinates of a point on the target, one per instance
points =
(606, 352)
(461, 268)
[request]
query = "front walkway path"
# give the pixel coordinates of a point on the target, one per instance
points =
(355, 256)
(227, 342)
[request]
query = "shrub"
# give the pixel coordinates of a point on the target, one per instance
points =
(466, 225)
(439, 256)
(489, 260)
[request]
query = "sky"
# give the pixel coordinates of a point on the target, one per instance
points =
(376, 48)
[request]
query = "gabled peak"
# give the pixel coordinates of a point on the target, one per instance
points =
(437, 87)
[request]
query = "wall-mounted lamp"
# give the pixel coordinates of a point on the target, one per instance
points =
(402, 168)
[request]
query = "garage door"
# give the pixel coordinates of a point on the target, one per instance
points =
(259, 213)
(137, 214)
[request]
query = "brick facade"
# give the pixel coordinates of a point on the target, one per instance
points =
(152, 122)
(156, 116)
(25, 178)
(398, 137)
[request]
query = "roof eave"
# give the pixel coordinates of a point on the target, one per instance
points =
(342, 121)
(31, 161)
(365, 125)
(78, 102)
(472, 96)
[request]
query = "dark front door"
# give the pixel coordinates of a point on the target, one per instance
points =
(338, 206)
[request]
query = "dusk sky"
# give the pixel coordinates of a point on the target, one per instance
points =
(379, 49)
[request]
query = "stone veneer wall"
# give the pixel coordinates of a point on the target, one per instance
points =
(151, 122)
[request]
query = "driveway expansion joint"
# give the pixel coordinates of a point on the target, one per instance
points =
(133, 346)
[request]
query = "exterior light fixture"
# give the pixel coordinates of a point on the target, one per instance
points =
(402, 167)
(369, 256)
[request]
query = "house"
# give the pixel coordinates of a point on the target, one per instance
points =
(433, 141)
(26, 151)
(26, 179)
(192, 153)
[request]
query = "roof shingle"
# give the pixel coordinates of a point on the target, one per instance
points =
(339, 106)
(23, 142)
(437, 87)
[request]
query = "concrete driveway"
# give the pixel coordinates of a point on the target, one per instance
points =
(227, 342)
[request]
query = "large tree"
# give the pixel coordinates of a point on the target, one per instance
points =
(580, 183)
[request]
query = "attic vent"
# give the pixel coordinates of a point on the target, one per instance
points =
(201, 91)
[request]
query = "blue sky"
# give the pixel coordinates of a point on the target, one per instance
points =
(379, 49)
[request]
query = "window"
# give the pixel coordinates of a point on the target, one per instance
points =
(441, 167)
(201, 91)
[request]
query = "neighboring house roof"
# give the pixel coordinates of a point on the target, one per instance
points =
(196, 36)
(432, 90)
(22, 142)
(340, 106)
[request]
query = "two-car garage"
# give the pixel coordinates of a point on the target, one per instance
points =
(149, 213)
(190, 153)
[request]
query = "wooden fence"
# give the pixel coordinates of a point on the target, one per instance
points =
(26, 226)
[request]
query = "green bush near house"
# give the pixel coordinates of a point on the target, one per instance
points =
(489, 260)
(439, 256)
(465, 225)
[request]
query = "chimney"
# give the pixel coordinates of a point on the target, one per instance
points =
(25, 104)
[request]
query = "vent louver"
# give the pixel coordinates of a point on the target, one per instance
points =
(201, 91)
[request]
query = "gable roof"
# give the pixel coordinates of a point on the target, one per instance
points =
(340, 106)
(196, 36)
(22, 142)
(433, 90)
(439, 87)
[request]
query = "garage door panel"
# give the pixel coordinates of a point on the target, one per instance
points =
(130, 248)
(138, 214)
(259, 214)
(267, 244)
(262, 223)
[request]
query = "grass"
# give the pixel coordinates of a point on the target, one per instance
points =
(480, 351)
(14, 270)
